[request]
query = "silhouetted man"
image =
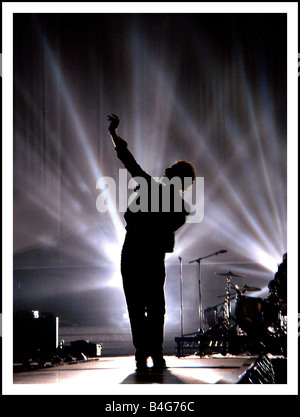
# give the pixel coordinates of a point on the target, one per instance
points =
(151, 221)
(278, 286)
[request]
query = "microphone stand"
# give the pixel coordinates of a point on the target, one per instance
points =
(181, 297)
(198, 261)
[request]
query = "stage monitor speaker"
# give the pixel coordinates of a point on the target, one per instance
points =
(261, 372)
(35, 335)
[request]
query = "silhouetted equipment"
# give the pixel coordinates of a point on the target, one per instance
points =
(35, 335)
(261, 372)
(241, 323)
(266, 370)
(86, 348)
(36, 343)
(198, 262)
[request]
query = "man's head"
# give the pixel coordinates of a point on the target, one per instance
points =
(184, 170)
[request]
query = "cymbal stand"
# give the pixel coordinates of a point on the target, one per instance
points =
(227, 302)
(227, 313)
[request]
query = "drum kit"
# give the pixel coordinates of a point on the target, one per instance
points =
(240, 317)
(242, 314)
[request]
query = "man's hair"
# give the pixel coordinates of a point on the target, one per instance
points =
(184, 170)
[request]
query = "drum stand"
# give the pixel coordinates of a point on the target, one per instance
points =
(227, 302)
(227, 314)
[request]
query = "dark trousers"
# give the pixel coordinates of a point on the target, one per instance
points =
(143, 273)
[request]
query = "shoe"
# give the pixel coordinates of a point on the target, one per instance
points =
(141, 369)
(159, 364)
(141, 365)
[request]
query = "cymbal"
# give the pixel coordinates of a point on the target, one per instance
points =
(244, 288)
(230, 274)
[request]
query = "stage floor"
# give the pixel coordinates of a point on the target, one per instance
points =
(216, 369)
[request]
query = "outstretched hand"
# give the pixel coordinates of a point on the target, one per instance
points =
(114, 123)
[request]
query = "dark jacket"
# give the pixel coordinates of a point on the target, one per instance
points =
(151, 229)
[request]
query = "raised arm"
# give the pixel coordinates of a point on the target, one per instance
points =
(122, 150)
(112, 129)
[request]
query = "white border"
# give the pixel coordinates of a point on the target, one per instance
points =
(149, 7)
(291, 8)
